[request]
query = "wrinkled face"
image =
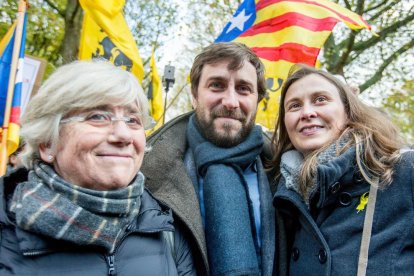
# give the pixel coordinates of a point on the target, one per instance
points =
(96, 156)
(314, 113)
(226, 103)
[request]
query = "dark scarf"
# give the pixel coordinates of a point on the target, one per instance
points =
(229, 235)
(50, 206)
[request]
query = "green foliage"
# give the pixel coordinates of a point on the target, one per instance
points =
(207, 19)
(150, 22)
(367, 59)
(400, 105)
(45, 29)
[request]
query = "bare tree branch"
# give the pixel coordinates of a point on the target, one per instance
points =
(360, 6)
(377, 6)
(54, 7)
(361, 46)
(381, 11)
(347, 4)
(338, 67)
(378, 74)
(75, 12)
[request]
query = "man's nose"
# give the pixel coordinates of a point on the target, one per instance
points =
(230, 99)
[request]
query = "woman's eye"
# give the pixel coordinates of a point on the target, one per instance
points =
(97, 117)
(320, 99)
(134, 120)
(293, 106)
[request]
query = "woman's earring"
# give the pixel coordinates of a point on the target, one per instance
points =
(50, 157)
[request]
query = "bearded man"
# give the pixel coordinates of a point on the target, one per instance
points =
(207, 165)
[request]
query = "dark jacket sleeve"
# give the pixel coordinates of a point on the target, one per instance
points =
(183, 255)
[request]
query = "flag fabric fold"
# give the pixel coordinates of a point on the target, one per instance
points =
(6, 54)
(105, 34)
(283, 33)
(155, 96)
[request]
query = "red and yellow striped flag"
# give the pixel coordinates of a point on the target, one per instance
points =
(282, 33)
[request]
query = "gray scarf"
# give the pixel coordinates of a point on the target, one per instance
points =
(291, 165)
(48, 205)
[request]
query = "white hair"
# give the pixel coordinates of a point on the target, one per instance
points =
(76, 86)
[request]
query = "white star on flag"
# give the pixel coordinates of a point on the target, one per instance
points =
(238, 21)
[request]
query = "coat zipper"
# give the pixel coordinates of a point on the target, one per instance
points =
(111, 260)
(36, 253)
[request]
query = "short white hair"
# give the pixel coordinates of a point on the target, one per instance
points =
(76, 86)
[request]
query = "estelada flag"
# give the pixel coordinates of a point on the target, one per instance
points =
(283, 33)
(105, 34)
(6, 53)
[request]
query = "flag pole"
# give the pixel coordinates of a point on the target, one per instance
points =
(10, 89)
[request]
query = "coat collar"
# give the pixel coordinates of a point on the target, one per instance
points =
(338, 175)
(7, 185)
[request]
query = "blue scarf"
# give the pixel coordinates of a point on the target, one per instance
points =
(229, 220)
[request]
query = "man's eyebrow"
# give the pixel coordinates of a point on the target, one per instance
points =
(217, 78)
(245, 82)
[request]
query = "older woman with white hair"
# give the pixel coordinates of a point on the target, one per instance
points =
(79, 207)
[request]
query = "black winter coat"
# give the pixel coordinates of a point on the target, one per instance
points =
(142, 251)
(325, 239)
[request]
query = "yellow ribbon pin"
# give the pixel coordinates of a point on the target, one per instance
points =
(363, 200)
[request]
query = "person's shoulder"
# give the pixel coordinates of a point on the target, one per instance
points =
(407, 155)
(14, 177)
(404, 168)
(174, 127)
(151, 202)
(267, 144)
(7, 185)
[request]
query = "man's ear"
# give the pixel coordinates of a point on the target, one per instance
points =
(194, 101)
(46, 153)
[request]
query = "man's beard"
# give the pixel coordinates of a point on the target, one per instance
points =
(226, 139)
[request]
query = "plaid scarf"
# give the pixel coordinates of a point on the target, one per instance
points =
(50, 206)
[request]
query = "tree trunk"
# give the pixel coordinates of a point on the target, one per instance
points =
(73, 24)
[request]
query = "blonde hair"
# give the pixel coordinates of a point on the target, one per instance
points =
(76, 86)
(376, 138)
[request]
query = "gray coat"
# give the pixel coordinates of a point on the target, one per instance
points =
(325, 238)
(142, 251)
(169, 182)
